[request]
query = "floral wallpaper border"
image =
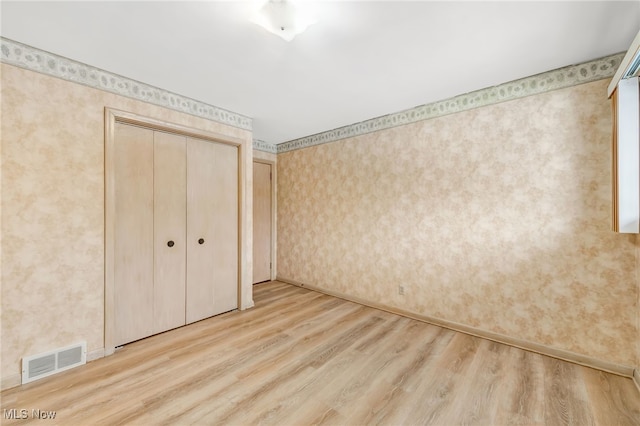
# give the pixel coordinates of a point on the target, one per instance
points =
(264, 146)
(33, 59)
(552, 80)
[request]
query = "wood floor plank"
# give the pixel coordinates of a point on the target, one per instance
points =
(612, 397)
(481, 380)
(328, 381)
(296, 378)
(523, 393)
(441, 383)
(564, 395)
(300, 357)
(381, 375)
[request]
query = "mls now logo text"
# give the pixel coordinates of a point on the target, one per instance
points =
(23, 414)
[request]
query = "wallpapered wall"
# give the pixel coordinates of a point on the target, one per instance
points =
(496, 218)
(53, 211)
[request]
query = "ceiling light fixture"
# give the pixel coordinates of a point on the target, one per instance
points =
(283, 18)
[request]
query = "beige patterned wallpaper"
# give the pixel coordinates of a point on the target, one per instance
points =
(53, 211)
(496, 218)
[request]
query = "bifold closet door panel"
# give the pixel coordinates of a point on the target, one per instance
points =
(225, 228)
(133, 234)
(212, 226)
(170, 198)
(200, 213)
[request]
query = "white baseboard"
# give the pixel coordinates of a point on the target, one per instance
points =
(587, 361)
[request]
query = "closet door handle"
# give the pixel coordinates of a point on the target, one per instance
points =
(201, 241)
(170, 243)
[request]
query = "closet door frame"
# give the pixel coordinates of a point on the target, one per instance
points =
(113, 116)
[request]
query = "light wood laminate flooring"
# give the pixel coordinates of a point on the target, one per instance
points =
(300, 357)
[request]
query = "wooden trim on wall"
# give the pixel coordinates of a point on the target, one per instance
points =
(615, 224)
(621, 370)
(242, 224)
(109, 231)
(95, 354)
(625, 63)
(152, 123)
(274, 210)
(245, 187)
(10, 381)
(244, 155)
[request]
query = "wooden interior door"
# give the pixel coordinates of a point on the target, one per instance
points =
(262, 222)
(212, 229)
(133, 235)
(170, 233)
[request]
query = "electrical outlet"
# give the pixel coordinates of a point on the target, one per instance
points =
(401, 290)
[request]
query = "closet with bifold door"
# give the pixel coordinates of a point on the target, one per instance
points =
(176, 230)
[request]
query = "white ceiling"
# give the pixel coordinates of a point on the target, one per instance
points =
(361, 60)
